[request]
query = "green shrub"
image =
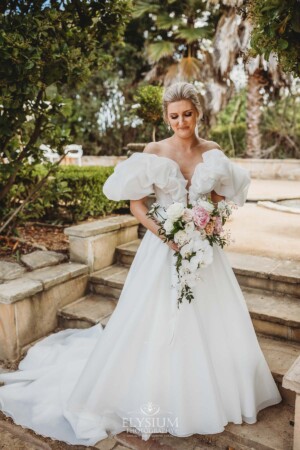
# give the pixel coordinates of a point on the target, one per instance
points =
(226, 135)
(84, 196)
(73, 193)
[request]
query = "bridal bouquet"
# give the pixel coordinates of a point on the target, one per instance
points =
(194, 228)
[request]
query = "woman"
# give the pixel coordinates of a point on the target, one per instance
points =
(155, 367)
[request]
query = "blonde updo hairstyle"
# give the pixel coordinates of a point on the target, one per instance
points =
(181, 91)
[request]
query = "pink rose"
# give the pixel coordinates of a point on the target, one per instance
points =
(200, 216)
(218, 225)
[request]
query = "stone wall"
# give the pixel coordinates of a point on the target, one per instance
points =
(268, 169)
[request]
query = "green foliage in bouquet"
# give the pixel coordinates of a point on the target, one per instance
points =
(277, 29)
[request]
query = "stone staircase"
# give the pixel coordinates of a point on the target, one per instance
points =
(271, 290)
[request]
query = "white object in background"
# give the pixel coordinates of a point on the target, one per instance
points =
(50, 154)
(74, 151)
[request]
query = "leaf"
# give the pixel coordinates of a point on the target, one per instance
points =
(164, 21)
(51, 91)
(159, 50)
(141, 8)
(282, 44)
(29, 65)
(191, 35)
(190, 68)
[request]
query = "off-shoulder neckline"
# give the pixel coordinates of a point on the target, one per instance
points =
(177, 165)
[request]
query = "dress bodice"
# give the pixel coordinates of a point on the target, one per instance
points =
(145, 173)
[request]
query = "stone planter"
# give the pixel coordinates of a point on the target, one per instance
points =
(94, 243)
(29, 304)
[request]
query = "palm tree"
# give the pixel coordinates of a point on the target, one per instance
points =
(179, 46)
(201, 42)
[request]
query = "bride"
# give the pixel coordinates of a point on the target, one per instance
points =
(155, 367)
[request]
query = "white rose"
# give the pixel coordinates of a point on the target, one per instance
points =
(175, 211)
(189, 227)
(181, 237)
(168, 226)
(206, 205)
(194, 235)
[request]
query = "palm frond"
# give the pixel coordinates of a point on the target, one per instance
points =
(228, 42)
(189, 68)
(191, 35)
(143, 7)
(164, 21)
(172, 74)
(159, 50)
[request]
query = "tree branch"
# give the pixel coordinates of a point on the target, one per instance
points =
(21, 156)
(31, 196)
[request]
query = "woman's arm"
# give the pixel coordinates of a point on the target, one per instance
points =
(216, 197)
(139, 210)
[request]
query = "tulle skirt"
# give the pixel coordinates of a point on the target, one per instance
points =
(155, 368)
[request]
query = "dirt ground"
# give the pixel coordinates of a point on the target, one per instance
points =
(35, 235)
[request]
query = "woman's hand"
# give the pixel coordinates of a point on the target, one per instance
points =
(173, 245)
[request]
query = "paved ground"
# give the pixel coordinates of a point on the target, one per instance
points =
(262, 231)
(273, 190)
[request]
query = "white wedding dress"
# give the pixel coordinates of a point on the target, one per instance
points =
(197, 367)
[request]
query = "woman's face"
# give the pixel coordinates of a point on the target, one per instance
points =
(182, 117)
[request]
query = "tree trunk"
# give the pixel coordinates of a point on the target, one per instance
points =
(154, 133)
(254, 101)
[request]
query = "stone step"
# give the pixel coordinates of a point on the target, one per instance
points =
(272, 315)
(29, 304)
(109, 282)
(126, 252)
(280, 355)
(252, 271)
(273, 431)
(38, 280)
(86, 312)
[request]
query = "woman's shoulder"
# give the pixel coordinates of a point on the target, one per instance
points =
(156, 147)
(209, 145)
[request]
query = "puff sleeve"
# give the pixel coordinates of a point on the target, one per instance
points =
(226, 178)
(136, 176)
(131, 180)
